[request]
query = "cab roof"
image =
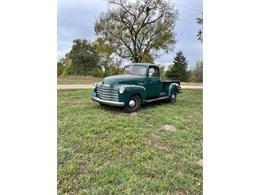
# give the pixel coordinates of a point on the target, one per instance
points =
(144, 64)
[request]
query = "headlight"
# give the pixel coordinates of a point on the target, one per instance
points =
(121, 89)
(94, 85)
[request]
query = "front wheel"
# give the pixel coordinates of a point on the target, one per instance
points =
(173, 98)
(133, 104)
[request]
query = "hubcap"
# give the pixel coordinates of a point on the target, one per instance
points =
(131, 103)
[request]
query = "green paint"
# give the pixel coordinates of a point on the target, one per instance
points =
(146, 86)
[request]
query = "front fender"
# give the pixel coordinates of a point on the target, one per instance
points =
(132, 90)
(174, 88)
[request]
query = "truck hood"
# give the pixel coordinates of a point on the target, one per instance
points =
(123, 79)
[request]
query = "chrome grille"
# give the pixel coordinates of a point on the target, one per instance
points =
(107, 93)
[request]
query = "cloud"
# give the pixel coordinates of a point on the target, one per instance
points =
(76, 20)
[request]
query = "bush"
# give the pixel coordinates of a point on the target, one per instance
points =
(192, 78)
(68, 68)
(97, 72)
(198, 71)
(113, 70)
(60, 68)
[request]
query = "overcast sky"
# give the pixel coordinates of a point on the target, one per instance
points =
(76, 19)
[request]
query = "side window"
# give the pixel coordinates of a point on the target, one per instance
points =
(153, 72)
(156, 72)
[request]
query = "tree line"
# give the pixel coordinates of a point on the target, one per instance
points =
(85, 59)
(129, 31)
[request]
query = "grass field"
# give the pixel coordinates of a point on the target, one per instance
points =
(104, 151)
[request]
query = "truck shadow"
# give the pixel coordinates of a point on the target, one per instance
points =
(155, 104)
(145, 106)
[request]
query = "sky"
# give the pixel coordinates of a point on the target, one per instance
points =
(76, 19)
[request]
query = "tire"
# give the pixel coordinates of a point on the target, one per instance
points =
(133, 104)
(173, 98)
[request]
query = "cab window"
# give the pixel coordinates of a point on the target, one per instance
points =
(153, 72)
(135, 70)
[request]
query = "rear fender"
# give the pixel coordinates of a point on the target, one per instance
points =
(173, 88)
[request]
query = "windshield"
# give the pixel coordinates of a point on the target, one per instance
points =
(136, 70)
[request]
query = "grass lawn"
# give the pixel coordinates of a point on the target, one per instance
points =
(77, 80)
(104, 151)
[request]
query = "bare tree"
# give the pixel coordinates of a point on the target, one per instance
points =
(138, 30)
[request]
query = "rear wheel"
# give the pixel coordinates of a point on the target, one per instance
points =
(133, 104)
(173, 98)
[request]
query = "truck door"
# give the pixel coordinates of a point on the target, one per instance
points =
(153, 82)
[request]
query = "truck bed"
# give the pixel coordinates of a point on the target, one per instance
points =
(171, 81)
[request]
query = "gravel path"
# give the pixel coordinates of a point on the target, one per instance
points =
(90, 86)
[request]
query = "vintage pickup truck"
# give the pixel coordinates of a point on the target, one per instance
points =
(140, 84)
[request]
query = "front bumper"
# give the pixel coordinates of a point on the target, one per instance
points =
(107, 102)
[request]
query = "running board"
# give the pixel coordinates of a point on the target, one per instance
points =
(156, 99)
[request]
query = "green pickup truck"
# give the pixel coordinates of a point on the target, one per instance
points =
(140, 84)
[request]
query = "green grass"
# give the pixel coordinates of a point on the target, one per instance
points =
(77, 80)
(104, 151)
